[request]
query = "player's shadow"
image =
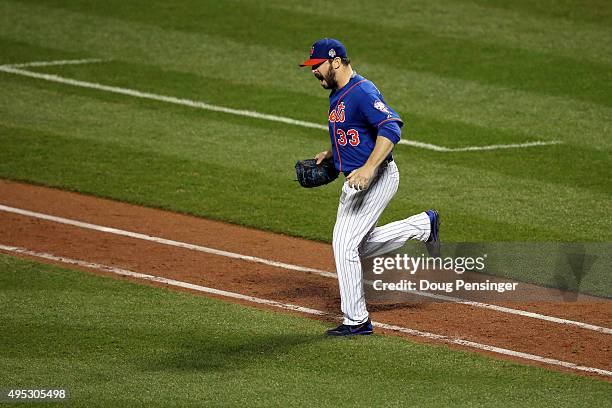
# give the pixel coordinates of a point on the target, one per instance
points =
(573, 264)
(222, 353)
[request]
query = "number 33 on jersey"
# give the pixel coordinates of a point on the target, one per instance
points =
(357, 115)
(338, 116)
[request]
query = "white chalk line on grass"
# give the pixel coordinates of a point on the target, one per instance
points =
(52, 63)
(288, 306)
(16, 69)
(284, 265)
(481, 148)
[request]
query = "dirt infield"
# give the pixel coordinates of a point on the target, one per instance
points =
(547, 339)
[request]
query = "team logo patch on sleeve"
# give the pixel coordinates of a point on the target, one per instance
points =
(382, 107)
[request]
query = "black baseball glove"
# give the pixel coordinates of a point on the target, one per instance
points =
(310, 174)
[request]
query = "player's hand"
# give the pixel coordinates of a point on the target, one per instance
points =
(323, 155)
(360, 178)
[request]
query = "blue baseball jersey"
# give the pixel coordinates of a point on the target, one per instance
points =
(357, 115)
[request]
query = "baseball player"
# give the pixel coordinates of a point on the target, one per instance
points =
(363, 131)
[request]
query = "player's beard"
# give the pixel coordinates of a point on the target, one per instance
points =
(329, 79)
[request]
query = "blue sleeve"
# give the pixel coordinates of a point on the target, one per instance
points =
(380, 116)
(391, 130)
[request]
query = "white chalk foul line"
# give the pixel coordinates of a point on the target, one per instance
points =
(15, 69)
(283, 265)
(288, 306)
(481, 148)
(160, 98)
(52, 63)
(172, 282)
(163, 241)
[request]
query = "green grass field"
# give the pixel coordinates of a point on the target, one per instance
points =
(115, 343)
(460, 73)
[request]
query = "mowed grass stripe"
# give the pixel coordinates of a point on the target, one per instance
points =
(457, 111)
(489, 22)
(543, 117)
(548, 164)
(595, 12)
(103, 338)
(17, 69)
(220, 91)
(510, 116)
(467, 59)
(206, 185)
(297, 104)
(514, 111)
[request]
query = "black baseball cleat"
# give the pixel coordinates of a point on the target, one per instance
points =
(351, 330)
(433, 242)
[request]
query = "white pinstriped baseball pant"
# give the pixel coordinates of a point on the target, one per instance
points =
(356, 236)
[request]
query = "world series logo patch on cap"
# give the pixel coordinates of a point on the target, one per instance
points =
(332, 53)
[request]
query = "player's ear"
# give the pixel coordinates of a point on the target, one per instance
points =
(336, 63)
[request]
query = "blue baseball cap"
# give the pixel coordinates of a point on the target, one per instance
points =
(324, 49)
